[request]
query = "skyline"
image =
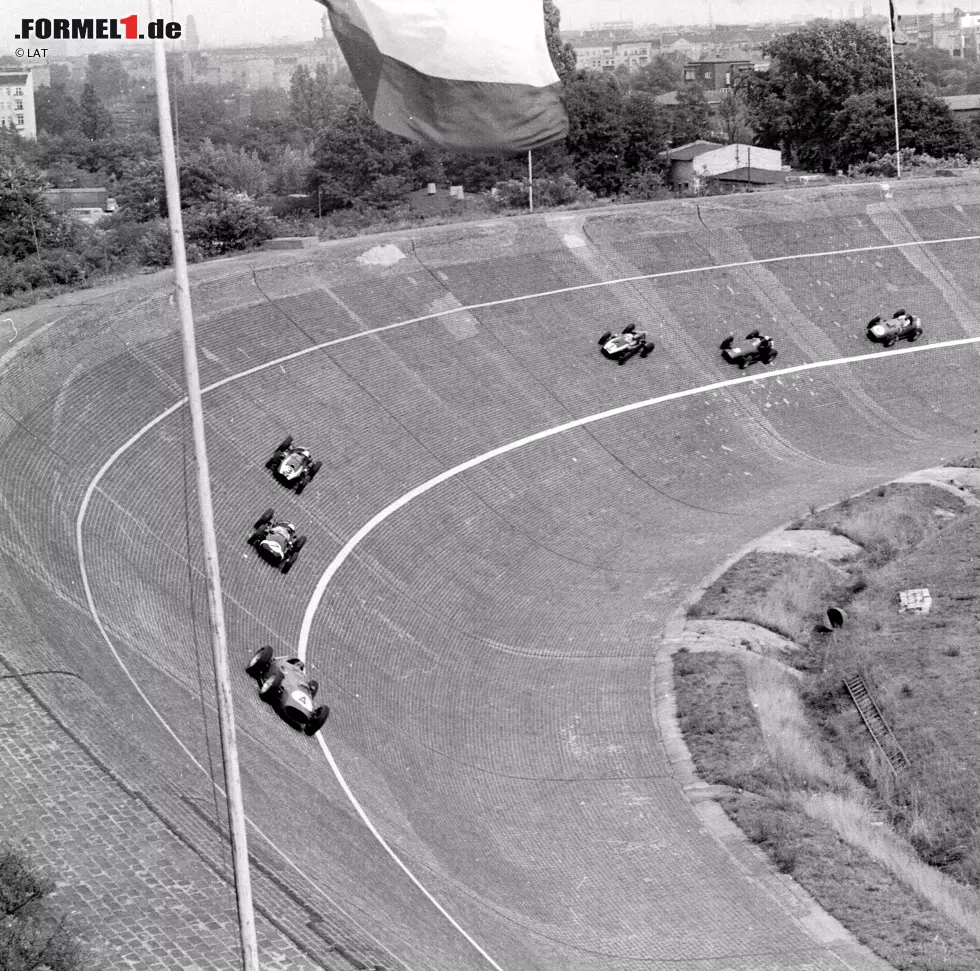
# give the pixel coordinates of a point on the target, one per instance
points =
(233, 22)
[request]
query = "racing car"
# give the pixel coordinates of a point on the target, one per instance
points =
(284, 685)
(293, 467)
(901, 325)
(276, 542)
(755, 347)
(621, 347)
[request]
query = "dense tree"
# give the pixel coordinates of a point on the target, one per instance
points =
(865, 125)
(95, 120)
(660, 76)
(25, 218)
(314, 99)
(596, 139)
(56, 111)
(733, 118)
(647, 132)
(562, 54)
(357, 160)
(107, 75)
(814, 70)
(690, 119)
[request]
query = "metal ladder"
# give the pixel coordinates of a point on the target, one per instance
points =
(874, 721)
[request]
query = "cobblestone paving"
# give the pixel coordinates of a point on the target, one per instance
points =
(140, 896)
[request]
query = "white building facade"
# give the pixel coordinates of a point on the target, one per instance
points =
(17, 103)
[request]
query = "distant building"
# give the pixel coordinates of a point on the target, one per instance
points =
(635, 54)
(692, 164)
(964, 106)
(17, 102)
(716, 72)
(595, 57)
(191, 41)
(89, 205)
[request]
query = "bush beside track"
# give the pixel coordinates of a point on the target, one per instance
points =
(894, 858)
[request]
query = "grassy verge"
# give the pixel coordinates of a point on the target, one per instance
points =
(782, 592)
(896, 859)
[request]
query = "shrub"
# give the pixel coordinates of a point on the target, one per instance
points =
(32, 936)
(560, 190)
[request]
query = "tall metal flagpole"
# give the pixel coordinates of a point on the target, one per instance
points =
(530, 183)
(226, 718)
(891, 51)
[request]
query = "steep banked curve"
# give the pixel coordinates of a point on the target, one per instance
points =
(489, 654)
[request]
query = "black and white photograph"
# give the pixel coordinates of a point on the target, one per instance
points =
(489, 486)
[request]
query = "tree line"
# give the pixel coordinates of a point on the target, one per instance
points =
(311, 160)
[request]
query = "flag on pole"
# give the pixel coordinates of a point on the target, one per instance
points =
(896, 32)
(463, 75)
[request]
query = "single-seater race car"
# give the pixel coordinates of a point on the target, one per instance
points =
(621, 347)
(755, 347)
(276, 542)
(901, 326)
(284, 685)
(293, 467)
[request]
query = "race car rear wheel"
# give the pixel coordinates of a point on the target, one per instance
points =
(646, 350)
(623, 359)
(915, 335)
(874, 320)
(259, 662)
(315, 468)
(317, 720)
(298, 545)
(629, 329)
(772, 357)
(605, 337)
(752, 335)
(266, 517)
(287, 565)
(255, 537)
(742, 364)
(270, 686)
(285, 443)
(727, 342)
(898, 313)
(888, 341)
(302, 483)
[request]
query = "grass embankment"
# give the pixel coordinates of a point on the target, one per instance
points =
(893, 858)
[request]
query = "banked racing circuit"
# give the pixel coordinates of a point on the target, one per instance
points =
(500, 529)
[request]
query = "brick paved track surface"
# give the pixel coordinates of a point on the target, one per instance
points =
(488, 652)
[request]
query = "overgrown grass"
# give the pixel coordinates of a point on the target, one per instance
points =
(746, 727)
(890, 855)
(779, 591)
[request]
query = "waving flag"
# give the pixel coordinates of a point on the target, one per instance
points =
(464, 75)
(897, 34)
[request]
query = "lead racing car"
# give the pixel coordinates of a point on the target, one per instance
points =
(902, 326)
(276, 542)
(755, 347)
(621, 347)
(284, 685)
(292, 466)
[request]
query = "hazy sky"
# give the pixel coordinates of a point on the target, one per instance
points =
(238, 21)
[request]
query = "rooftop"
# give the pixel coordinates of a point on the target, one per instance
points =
(684, 153)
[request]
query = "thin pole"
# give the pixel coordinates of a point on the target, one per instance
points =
(226, 718)
(530, 183)
(891, 52)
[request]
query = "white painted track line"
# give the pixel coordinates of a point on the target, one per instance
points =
(412, 494)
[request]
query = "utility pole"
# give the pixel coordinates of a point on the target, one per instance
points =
(530, 183)
(226, 718)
